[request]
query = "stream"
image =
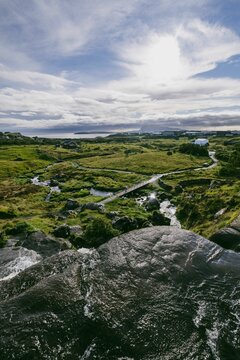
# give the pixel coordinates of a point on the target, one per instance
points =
(166, 208)
(37, 182)
(169, 210)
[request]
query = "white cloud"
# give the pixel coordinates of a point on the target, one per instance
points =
(162, 52)
(36, 80)
(192, 48)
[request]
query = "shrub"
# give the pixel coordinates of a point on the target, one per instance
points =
(7, 213)
(20, 228)
(98, 231)
(193, 149)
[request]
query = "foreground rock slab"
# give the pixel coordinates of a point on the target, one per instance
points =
(165, 293)
(156, 293)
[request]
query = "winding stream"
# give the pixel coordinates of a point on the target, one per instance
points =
(47, 183)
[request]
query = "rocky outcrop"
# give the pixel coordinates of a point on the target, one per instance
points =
(47, 314)
(228, 237)
(156, 293)
(43, 244)
(124, 223)
(73, 233)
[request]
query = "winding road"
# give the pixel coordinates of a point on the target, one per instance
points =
(155, 178)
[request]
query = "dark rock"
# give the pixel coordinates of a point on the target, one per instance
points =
(156, 293)
(228, 238)
(158, 218)
(62, 231)
(94, 206)
(112, 214)
(72, 204)
(72, 213)
(66, 231)
(152, 203)
(124, 223)
(46, 310)
(165, 293)
(43, 244)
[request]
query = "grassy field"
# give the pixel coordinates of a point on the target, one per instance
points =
(197, 204)
(148, 162)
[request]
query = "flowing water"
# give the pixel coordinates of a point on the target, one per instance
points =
(53, 189)
(96, 192)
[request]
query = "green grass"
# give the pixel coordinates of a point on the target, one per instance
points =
(149, 162)
(22, 201)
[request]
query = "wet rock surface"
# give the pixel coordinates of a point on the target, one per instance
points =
(156, 293)
(15, 260)
(44, 319)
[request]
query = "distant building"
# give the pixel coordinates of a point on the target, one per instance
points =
(201, 142)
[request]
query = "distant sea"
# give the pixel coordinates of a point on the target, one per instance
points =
(56, 135)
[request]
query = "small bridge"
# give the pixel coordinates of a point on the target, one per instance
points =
(155, 178)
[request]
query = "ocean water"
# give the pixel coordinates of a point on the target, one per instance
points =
(66, 135)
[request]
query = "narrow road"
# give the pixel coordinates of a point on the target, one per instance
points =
(156, 177)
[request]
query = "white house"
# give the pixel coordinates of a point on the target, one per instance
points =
(201, 142)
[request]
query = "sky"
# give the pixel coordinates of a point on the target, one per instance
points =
(87, 65)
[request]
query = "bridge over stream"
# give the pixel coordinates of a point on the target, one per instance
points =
(155, 178)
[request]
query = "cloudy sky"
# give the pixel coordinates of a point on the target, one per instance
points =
(68, 65)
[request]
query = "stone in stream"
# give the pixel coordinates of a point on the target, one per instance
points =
(156, 293)
(152, 203)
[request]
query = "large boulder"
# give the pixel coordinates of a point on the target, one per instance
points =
(156, 293)
(43, 244)
(42, 312)
(165, 293)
